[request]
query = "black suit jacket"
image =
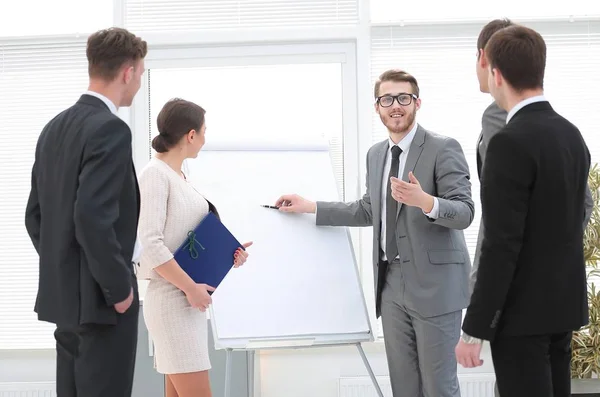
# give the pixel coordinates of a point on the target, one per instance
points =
(82, 215)
(531, 278)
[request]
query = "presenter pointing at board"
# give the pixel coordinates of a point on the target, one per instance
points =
(174, 305)
(418, 200)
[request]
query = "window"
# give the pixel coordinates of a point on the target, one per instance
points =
(260, 104)
(464, 10)
(443, 57)
(55, 17)
(198, 15)
(36, 81)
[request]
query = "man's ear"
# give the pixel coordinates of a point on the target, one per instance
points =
(497, 76)
(376, 105)
(128, 74)
(483, 62)
(418, 103)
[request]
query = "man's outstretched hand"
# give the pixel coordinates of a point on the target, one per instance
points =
(295, 203)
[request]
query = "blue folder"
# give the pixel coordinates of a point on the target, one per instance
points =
(207, 253)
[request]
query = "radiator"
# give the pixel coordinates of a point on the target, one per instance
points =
(471, 385)
(27, 389)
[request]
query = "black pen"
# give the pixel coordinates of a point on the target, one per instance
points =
(270, 206)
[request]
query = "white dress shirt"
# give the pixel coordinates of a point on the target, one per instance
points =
(137, 249)
(404, 144)
(523, 103)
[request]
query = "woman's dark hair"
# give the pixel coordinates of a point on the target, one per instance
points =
(175, 120)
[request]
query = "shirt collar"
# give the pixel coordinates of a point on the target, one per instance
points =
(405, 142)
(111, 106)
(523, 103)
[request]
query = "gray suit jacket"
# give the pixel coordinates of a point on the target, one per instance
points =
(433, 252)
(492, 121)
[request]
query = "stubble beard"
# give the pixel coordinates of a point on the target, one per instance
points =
(404, 128)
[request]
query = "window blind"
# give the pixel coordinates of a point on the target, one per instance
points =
(467, 10)
(442, 58)
(202, 15)
(36, 82)
(56, 17)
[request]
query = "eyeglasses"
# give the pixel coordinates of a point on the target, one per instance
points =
(403, 99)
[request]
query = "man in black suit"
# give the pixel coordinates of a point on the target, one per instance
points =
(530, 292)
(82, 218)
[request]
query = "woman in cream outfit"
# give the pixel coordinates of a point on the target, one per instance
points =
(174, 305)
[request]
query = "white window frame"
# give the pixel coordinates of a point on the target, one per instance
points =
(343, 50)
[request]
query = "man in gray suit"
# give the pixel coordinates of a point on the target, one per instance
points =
(418, 200)
(492, 121)
(494, 118)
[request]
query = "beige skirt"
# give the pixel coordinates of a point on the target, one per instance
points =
(178, 331)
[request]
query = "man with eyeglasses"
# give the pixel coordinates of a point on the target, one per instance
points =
(418, 200)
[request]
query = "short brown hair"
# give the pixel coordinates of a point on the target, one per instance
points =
(175, 120)
(488, 30)
(109, 49)
(519, 53)
(397, 76)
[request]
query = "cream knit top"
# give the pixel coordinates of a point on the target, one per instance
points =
(170, 208)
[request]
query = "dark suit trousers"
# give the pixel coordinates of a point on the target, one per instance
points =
(533, 366)
(96, 360)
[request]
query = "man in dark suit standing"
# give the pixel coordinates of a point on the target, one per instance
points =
(492, 121)
(82, 218)
(530, 292)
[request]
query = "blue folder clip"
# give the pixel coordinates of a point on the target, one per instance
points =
(206, 255)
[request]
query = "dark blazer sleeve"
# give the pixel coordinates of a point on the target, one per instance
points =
(505, 189)
(106, 156)
(33, 214)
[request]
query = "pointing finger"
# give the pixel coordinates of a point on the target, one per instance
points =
(284, 200)
(280, 201)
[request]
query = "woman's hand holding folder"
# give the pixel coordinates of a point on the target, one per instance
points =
(198, 296)
(241, 255)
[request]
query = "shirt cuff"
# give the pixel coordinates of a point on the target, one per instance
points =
(435, 211)
(470, 340)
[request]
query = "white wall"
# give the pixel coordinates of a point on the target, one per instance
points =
(27, 366)
(290, 373)
(315, 372)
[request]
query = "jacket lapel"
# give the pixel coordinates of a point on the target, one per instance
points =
(478, 153)
(416, 147)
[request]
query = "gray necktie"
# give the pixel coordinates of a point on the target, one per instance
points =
(391, 249)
